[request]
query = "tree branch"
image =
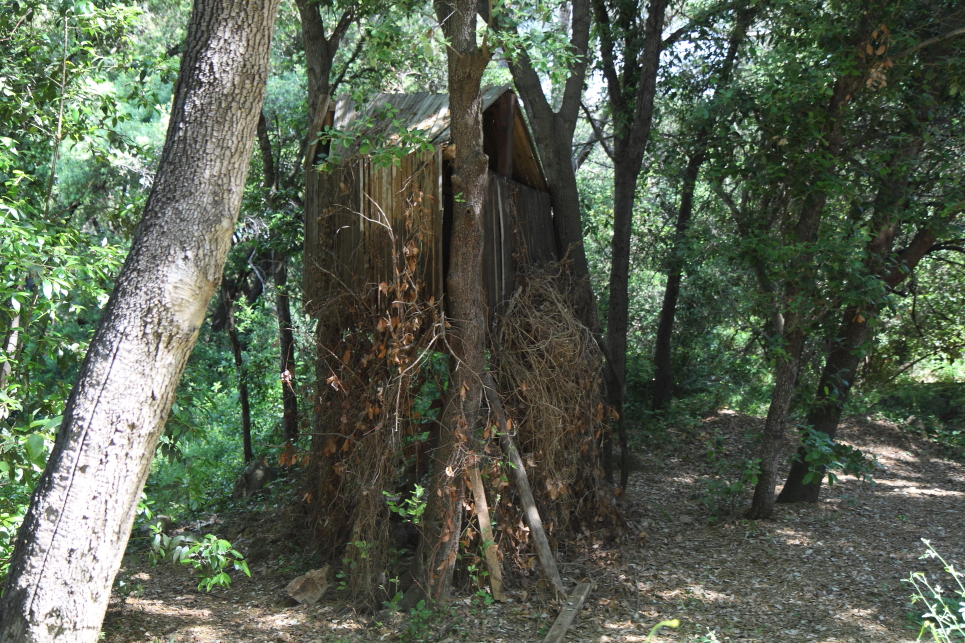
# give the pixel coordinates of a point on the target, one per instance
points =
(597, 132)
(931, 41)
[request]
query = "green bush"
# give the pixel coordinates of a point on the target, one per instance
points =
(944, 618)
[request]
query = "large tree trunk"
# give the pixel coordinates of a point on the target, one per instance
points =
(287, 343)
(75, 532)
(624, 192)
(438, 548)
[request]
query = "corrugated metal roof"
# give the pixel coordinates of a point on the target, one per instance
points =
(422, 112)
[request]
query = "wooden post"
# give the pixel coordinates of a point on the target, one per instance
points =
(571, 606)
(490, 550)
(530, 513)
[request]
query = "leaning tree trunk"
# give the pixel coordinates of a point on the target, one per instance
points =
(796, 320)
(833, 390)
(788, 363)
(841, 366)
(75, 532)
(439, 545)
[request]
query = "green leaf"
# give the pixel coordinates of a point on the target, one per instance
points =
(34, 447)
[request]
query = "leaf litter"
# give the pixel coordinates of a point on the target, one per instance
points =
(827, 573)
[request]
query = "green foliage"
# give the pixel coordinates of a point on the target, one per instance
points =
(420, 621)
(380, 135)
(209, 556)
(824, 455)
(723, 492)
(932, 410)
(410, 509)
(944, 619)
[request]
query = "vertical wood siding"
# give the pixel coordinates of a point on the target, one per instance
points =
(359, 215)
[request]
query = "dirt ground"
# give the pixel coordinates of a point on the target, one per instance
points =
(828, 573)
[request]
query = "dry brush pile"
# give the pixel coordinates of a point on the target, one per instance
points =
(548, 368)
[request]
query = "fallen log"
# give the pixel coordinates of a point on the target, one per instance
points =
(571, 606)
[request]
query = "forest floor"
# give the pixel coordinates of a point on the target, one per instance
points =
(828, 573)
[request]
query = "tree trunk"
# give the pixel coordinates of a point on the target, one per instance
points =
(287, 343)
(624, 192)
(772, 444)
(11, 345)
(663, 372)
(833, 389)
(283, 313)
(76, 529)
(236, 351)
(320, 53)
(553, 135)
(438, 548)
(841, 365)
(788, 362)
(796, 320)
(633, 105)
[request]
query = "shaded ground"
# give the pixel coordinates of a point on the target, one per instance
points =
(828, 573)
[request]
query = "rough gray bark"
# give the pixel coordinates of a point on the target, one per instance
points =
(631, 94)
(72, 540)
(439, 545)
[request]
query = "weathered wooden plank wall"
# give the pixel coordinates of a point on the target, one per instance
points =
(518, 230)
(358, 215)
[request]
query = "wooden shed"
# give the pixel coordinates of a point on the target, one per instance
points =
(365, 214)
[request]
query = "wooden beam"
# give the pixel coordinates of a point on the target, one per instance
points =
(490, 549)
(318, 123)
(571, 606)
(530, 513)
(505, 121)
